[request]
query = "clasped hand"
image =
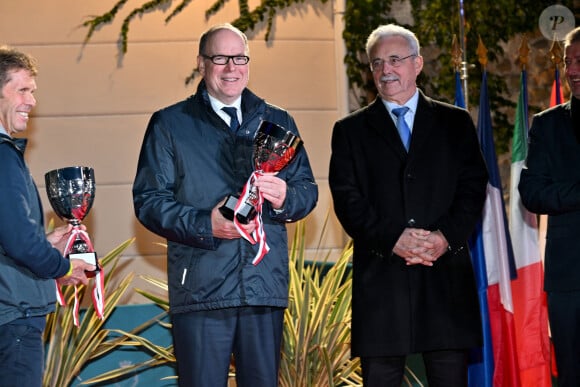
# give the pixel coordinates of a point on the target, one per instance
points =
(420, 247)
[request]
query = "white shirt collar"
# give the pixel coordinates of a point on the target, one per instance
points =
(217, 106)
(411, 104)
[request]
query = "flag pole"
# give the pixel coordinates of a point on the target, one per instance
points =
(523, 56)
(556, 56)
(462, 47)
(456, 54)
(482, 54)
(524, 53)
(456, 60)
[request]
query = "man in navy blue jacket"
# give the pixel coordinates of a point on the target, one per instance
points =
(193, 156)
(550, 184)
(30, 260)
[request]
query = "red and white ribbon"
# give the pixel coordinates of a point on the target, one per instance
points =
(258, 235)
(98, 286)
(99, 294)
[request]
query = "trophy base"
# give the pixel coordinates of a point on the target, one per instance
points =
(90, 258)
(245, 215)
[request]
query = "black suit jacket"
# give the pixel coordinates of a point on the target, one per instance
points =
(378, 190)
(550, 184)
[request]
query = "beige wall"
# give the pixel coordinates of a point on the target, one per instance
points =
(93, 106)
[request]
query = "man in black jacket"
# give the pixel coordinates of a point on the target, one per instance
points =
(410, 202)
(29, 259)
(550, 184)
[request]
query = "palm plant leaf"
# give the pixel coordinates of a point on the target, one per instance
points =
(316, 340)
(70, 348)
(124, 371)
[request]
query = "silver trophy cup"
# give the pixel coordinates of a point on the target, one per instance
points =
(274, 148)
(71, 192)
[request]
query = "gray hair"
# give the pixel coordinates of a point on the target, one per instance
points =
(389, 30)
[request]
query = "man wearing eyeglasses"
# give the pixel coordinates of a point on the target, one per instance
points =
(194, 155)
(408, 183)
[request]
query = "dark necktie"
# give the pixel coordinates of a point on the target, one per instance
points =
(233, 113)
(402, 126)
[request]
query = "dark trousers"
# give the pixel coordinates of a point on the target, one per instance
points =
(21, 355)
(204, 342)
(443, 368)
(564, 315)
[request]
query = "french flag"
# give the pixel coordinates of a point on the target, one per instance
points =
(496, 363)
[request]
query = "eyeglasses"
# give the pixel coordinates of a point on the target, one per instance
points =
(393, 61)
(223, 60)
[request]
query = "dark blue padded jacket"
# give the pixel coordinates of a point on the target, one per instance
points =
(28, 263)
(190, 161)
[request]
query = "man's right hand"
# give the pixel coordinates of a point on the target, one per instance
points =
(224, 228)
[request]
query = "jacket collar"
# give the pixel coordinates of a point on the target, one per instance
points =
(18, 143)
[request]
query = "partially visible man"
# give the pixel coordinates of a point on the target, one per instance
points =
(193, 156)
(410, 214)
(30, 260)
(550, 184)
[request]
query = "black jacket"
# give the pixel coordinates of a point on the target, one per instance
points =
(379, 190)
(550, 184)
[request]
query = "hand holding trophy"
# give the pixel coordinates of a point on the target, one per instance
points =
(71, 192)
(274, 148)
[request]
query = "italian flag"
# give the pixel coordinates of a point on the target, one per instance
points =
(530, 309)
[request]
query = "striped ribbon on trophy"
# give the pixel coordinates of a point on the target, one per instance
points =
(258, 235)
(98, 293)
